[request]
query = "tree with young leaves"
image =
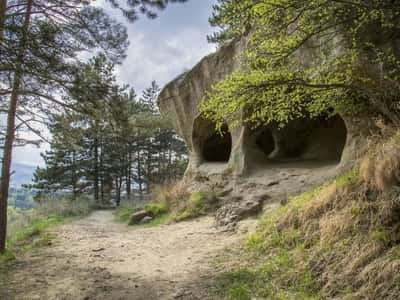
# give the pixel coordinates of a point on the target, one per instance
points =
(309, 57)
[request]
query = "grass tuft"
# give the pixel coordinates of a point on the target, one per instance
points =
(199, 204)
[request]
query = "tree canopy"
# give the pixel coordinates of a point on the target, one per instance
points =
(306, 58)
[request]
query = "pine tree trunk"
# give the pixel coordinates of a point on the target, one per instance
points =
(96, 171)
(118, 191)
(148, 175)
(102, 173)
(170, 171)
(10, 131)
(3, 9)
(139, 176)
(73, 176)
(129, 175)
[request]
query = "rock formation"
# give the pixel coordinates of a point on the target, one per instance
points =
(279, 161)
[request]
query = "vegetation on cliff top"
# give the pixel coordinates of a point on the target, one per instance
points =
(307, 58)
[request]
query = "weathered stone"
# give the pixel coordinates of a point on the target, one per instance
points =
(137, 217)
(339, 139)
(272, 182)
(232, 213)
(146, 220)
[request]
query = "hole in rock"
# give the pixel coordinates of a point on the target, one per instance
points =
(213, 146)
(265, 141)
(321, 139)
(217, 147)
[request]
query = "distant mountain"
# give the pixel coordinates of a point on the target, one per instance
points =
(22, 174)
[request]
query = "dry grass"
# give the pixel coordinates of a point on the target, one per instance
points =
(334, 225)
(380, 168)
(174, 194)
(347, 231)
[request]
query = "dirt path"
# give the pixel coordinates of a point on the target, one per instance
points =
(96, 258)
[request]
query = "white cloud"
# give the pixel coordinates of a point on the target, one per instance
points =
(160, 50)
(162, 61)
(30, 155)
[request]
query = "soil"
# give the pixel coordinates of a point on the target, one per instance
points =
(97, 258)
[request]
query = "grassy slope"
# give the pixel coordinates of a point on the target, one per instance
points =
(339, 241)
(27, 228)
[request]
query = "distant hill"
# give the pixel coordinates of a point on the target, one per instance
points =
(22, 174)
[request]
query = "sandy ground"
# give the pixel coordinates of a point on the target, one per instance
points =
(96, 258)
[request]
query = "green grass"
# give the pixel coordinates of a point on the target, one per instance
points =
(195, 207)
(162, 213)
(159, 211)
(28, 228)
(275, 277)
(36, 228)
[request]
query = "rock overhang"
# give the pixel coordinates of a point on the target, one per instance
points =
(323, 146)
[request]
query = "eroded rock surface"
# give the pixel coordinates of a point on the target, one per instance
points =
(267, 159)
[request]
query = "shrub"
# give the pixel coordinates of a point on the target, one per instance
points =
(157, 209)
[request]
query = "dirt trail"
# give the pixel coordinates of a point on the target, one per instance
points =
(96, 258)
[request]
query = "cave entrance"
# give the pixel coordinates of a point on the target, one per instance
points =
(264, 140)
(321, 139)
(211, 145)
(217, 147)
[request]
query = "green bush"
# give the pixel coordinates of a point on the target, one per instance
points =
(157, 209)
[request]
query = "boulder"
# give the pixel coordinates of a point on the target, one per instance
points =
(146, 220)
(138, 216)
(234, 212)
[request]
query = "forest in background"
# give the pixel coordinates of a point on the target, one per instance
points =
(57, 71)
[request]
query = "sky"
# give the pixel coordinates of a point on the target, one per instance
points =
(160, 50)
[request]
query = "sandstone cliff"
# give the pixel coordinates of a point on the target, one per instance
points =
(271, 160)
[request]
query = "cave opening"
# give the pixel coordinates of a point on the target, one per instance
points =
(211, 145)
(264, 140)
(217, 147)
(320, 139)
